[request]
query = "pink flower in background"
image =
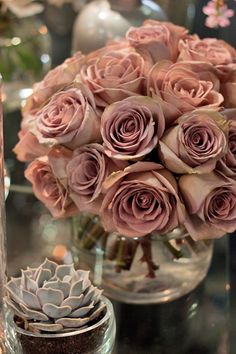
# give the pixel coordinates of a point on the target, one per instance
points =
(218, 14)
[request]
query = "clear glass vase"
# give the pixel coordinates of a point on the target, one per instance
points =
(2, 230)
(150, 269)
(25, 57)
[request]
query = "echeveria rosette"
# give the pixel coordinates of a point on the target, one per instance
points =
(211, 50)
(86, 172)
(113, 76)
(132, 128)
(195, 143)
(227, 164)
(140, 200)
(210, 201)
(185, 85)
(156, 40)
(54, 298)
(70, 119)
(49, 182)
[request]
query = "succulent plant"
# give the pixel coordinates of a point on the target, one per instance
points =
(54, 298)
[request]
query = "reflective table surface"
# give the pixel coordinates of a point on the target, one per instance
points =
(198, 323)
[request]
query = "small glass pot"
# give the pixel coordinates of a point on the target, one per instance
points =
(95, 339)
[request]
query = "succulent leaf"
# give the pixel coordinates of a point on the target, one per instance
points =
(42, 276)
(54, 311)
(63, 271)
(47, 327)
(81, 312)
(73, 322)
(33, 314)
(59, 285)
(28, 283)
(73, 301)
(50, 296)
(30, 300)
(52, 266)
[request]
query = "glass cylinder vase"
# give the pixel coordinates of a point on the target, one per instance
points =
(151, 269)
(2, 230)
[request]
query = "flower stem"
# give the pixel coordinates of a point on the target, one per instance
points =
(174, 251)
(147, 257)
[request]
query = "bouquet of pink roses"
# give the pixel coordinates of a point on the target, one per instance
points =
(141, 133)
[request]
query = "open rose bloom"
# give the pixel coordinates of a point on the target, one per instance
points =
(141, 133)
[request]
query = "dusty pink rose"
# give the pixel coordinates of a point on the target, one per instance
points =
(228, 86)
(86, 172)
(185, 85)
(69, 119)
(55, 79)
(48, 178)
(210, 201)
(141, 199)
(28, 147)
(212, 50)
(132, 128)
(114, 76)
(157, 40)
(195, 143)
(227, 163)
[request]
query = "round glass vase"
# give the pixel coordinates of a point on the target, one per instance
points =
(97, 338)
(150, 269)
(24, 50)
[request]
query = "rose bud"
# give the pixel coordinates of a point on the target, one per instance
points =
(141, 199)
(227, 164)
(185, 85)
(211, 50)
(114, 75)
(157, 40)
(210, 202)
(86, 172)
(28, 148)
(132, 128)
(69, 119)
(195, 143)
(48, 178)
(55, 79)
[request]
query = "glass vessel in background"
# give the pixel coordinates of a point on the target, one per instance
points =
(24, 52)
(111, 20)
(184, 16)
(2, 229)
(150, 269)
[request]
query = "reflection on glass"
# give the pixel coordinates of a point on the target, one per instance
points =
(2, 229)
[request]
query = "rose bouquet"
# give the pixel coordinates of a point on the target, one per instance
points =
(141, 134)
